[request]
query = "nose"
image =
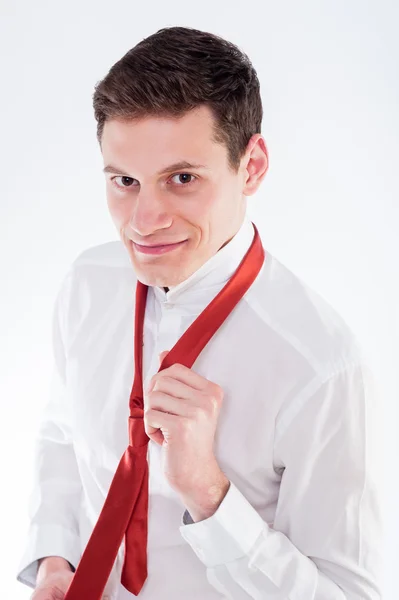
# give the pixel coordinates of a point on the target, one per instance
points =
(149, 213)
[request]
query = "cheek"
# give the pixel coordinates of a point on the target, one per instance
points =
(204, 204)
(118, 209)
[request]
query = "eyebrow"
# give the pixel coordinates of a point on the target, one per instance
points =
(178, 166)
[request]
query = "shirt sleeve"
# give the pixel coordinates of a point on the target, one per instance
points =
(325, 541)
(54, 501)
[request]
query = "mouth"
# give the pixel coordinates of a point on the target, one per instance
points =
(162, 249)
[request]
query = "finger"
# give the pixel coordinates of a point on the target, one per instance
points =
(162, 356)
(162, 401)
(156, 419)
(47, 594)
(177, 389)
(187, 376)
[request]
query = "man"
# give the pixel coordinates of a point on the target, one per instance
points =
(260, 482)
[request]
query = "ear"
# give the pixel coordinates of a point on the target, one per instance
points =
(257, 164)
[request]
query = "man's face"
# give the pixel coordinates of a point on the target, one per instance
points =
(153, 202)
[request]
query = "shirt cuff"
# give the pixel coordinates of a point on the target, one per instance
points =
(228, 534)
(47, 540)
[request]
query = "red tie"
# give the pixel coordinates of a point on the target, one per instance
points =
(125, 511)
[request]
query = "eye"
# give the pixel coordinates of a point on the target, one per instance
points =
(183, 179)
(126, 181)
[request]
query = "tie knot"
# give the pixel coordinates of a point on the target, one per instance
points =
(137, 434)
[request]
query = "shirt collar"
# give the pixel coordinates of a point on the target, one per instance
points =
(216, 271)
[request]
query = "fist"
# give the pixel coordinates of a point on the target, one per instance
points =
(181, 414)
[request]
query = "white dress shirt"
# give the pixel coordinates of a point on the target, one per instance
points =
(301, 519)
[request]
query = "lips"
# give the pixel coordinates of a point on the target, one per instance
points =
(158, 245)
(158, 249)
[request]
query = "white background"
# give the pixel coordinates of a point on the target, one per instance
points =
(328, 207)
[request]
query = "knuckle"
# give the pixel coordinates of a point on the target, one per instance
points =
(155, 399)
(215, 400)
(205, 410)
(147, 413)
(219, 393)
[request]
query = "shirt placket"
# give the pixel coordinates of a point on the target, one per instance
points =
(168, 332)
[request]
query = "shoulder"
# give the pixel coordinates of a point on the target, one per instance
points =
(109, 255)
(98, 286)
(100, 271)
(304, 324)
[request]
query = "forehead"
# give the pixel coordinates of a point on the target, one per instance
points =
(162, 139)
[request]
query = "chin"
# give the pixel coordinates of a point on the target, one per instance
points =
(151, 279)
(160, 276)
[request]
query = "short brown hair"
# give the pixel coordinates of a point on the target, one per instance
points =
(177, 69)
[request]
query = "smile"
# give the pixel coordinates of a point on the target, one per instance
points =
(156, 249)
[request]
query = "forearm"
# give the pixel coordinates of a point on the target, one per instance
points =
(201, 503)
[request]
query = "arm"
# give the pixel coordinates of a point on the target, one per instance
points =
(325, 542)
(55, 498)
